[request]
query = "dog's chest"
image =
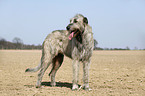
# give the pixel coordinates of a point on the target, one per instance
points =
(81, 52)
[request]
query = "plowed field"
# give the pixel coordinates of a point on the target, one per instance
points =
(112, 73)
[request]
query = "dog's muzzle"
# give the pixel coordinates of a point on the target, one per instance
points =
(73, 33)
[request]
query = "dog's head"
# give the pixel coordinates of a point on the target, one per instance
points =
(77, 26)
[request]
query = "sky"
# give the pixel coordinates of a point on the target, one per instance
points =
(115, 23)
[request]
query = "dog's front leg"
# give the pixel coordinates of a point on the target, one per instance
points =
(75, 66)
(86, 66)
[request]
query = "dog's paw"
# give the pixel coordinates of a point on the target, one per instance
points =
(38, 86)
(75, 87)
(86, 87)
(53, 84)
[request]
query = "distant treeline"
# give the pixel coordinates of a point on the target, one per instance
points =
(17, 43)
(98, 48)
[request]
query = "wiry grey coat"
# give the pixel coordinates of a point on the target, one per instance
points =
(79, 48)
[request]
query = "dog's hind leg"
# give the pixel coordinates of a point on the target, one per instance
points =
(46, 60)
(57, 61)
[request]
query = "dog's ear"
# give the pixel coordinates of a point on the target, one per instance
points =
(85, 20)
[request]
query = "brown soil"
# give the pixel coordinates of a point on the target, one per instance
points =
(112, 73)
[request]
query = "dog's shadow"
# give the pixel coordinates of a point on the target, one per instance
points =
(59, 84)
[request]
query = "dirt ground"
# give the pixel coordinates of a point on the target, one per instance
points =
(112, 73)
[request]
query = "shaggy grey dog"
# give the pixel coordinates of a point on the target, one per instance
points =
(76, 42)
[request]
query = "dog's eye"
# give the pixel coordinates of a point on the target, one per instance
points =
(75, 21)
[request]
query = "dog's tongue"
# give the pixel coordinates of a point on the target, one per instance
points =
(71, 35)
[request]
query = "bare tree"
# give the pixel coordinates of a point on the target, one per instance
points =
(95, 44)
(17, 40)
(2, 43)
(18, 43)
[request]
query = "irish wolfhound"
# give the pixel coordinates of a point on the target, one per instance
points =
(76, 42)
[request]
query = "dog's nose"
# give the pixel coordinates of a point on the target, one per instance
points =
(68, 27)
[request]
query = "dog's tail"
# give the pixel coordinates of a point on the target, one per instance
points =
(33, 69)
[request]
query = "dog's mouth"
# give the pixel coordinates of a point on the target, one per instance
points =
(74, 33)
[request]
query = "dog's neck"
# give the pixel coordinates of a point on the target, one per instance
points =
(87, 37)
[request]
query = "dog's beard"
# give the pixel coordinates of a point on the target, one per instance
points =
(79, 37)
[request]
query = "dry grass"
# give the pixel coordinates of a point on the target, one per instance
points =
(112, 73)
